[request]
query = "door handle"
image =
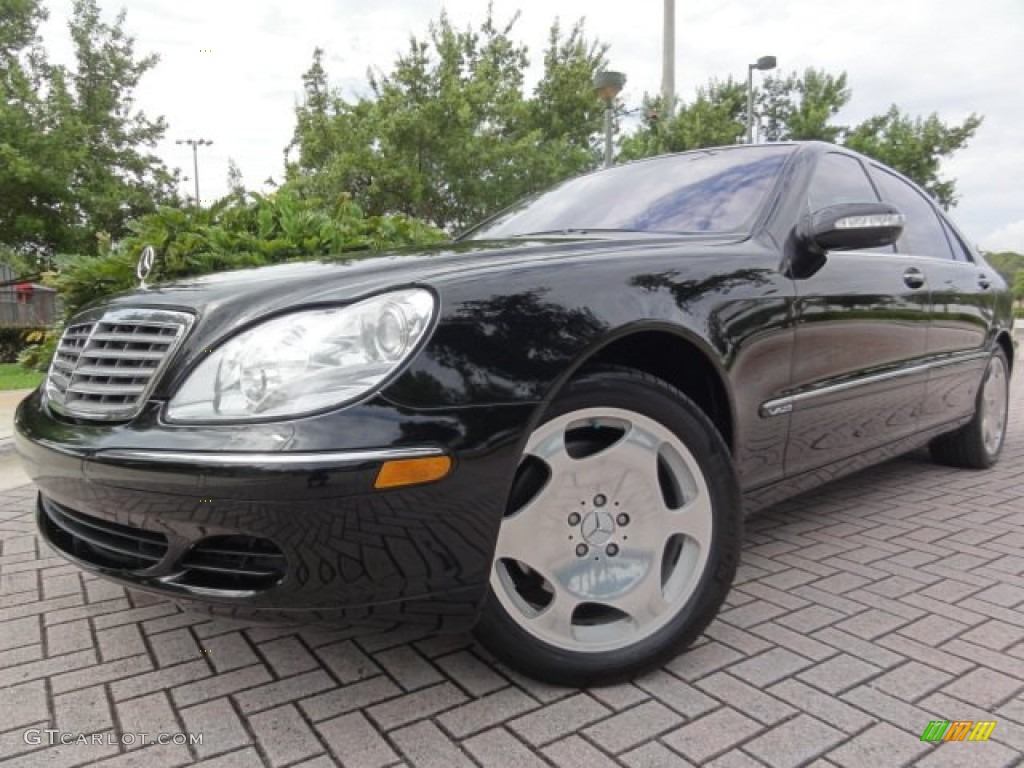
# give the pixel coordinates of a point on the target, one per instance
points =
(913, 277)
(984, 282)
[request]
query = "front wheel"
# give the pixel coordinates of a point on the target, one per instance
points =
(621, 535)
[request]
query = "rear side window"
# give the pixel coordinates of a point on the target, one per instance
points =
(960, 252)
(923, 234)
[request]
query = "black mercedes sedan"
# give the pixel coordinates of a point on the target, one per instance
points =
(549, 429)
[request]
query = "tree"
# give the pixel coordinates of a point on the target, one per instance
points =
(1011, 266)
(35, 162)
(72, 145)
(915, 146)
(314, 135)
(1018, 286)
(119, 180)
(448, 135)
(800, 107)
(715, 118)
(563, 108)
(236, 184)
(1006, 263)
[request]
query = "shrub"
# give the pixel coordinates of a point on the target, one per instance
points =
(14, 339)
(236, 232)
(246, 230)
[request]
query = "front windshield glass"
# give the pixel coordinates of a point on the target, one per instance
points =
(716, 190)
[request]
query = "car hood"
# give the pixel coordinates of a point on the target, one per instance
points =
(243, 295)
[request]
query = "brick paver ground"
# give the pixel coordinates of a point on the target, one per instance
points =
(862, 611)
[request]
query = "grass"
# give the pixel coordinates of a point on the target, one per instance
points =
(13, 376)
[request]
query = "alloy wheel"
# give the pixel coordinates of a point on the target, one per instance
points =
(607, 534)
(994, 405)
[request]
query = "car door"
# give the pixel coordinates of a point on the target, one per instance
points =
(858, 377)
(961, 301)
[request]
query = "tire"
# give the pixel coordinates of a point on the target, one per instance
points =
(978, 443)
(621, 537)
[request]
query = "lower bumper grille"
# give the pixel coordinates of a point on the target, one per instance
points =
(233, 562)
(100, 542)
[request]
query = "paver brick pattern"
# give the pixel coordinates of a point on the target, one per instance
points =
(861, 611)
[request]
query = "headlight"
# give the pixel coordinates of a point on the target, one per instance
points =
(305, 361)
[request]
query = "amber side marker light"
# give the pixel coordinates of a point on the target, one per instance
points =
(394, 474)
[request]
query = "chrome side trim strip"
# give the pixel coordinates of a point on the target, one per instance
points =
(210, 459)
(779, 407)
(784, 405)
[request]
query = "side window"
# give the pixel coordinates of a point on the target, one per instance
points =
(839, 179)
(960, 252)
(923, 234)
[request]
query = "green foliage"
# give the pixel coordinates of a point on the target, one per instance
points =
(240, 230)
(1007, 263)
(13, 341)
(1011, 266)
(715, 118)
(235, 233)
(36, 167)
(39, 350)
(72, 145)
(448, 135)
(914, 146)
(20, 262)
(13, 376)
(1018, 286)
(800, 107)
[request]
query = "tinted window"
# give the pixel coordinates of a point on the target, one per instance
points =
(839, 179)
(960, 252)
(707, 191)
(922, 232)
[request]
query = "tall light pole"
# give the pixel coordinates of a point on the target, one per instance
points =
(195, 144)
(763, 64)
(668, 60)
(607, 86)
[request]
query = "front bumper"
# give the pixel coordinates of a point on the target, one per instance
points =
(291, 529)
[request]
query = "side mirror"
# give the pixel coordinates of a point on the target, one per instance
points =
(842, 227)
(851, 226)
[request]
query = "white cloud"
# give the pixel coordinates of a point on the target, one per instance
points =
(944, 56)
(1006, 238)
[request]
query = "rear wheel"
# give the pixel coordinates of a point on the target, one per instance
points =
(621, 535)
(977, 445)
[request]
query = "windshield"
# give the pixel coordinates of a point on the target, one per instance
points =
(716, 190)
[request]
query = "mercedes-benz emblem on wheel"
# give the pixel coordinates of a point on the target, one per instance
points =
(145, 265)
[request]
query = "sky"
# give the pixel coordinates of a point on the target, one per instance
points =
(230, 70)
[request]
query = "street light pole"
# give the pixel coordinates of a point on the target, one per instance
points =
(195, 144)
(763, 64)
(668, 60)
(606, 87)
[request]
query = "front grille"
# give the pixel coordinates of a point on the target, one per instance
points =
(233, 562)
(101, 542)
(105, 369)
